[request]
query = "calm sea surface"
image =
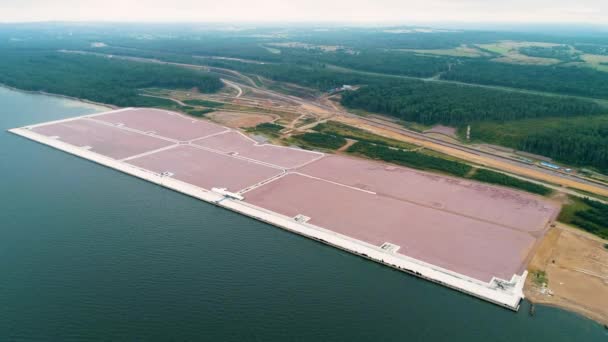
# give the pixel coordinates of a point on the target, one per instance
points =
(88, 253)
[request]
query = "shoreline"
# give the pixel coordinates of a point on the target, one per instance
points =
(574, 308)
(566, 259)
(508, 298)
(571, 307)
(67, 97)
(506, 293)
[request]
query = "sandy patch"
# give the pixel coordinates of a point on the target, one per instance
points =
(240, 119)
(576, 268)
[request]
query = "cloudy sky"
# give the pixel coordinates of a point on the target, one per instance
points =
(363, 11)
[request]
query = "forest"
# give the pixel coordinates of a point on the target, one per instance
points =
(323, 60)
(94, 78)
(586, 214)
(581, 81)
(449, 104)
(592, 49)
(560, 52)
(581, 141)
(379, 61)
(594, 219)
(321, 140)
(317, 77)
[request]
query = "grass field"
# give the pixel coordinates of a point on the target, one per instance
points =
(461, 51)
(598, 62)
(269, 129)
(318, 140)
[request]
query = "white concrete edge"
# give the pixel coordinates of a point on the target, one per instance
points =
(487, 291)
(75, 118)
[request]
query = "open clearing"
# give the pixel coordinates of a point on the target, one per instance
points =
(575, 266)
(239, 119)
(461, 51)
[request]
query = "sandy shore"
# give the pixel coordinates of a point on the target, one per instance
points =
(40, 92)
(575, 266)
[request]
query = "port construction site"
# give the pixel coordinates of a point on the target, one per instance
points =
(471, 237)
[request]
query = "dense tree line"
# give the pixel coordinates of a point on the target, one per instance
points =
(94, 78)
(593, 49)
(586, 214)
(204, 103)
(267, 128)
(386, 62)
(432, 102)
(412, 38)
(561, 52)
(321, 140)
(579, 141)
(418, 160)
(487, 176)
(411, 159)
(580, 81)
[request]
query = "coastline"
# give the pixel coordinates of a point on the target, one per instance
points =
(40, 92)
(504, 293)
(534, 299)
(570, 262)
(573, 307)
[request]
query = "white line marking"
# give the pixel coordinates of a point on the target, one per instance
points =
(335, 183)
(149, 152)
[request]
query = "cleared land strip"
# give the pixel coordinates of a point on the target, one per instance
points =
(475, 157)
(479, 157)
(437, 79)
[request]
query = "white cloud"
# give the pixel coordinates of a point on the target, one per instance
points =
(554, 11)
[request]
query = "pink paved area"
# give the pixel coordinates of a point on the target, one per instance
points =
(162, 122)
(102, 138)
(475, 248)
(467, 227)
(235, 142)
(206, 169)
(507, 207)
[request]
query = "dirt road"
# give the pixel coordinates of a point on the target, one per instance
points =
(324, 109)
(477, 157)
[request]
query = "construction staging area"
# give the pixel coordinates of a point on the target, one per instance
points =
(472, 237)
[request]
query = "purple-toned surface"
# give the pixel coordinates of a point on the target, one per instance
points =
(467, 227)
(276, 155)
(498, 205)
(103, 139)
(164, 123)
(206, 169)
(475, 248)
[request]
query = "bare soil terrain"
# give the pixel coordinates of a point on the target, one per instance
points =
(476, 158)
(570, 270)
(239, 119)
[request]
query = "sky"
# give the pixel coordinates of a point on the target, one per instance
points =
(338, 11)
